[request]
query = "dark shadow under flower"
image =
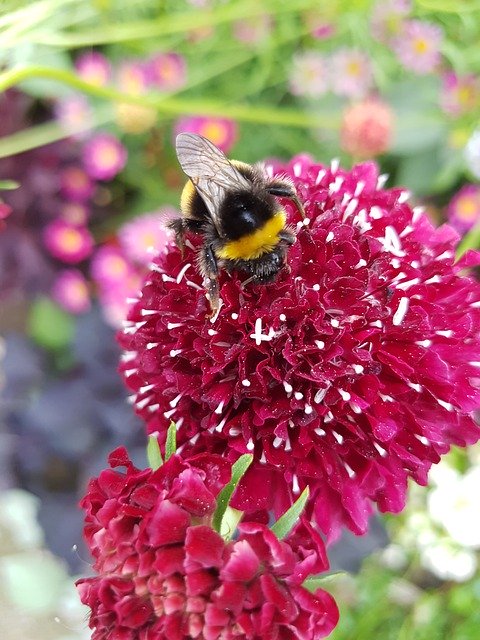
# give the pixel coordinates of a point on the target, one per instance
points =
(355, 370)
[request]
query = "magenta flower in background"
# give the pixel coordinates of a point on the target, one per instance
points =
(66, 242)
(463, 210)
(167, 71)
(418, 46)
(164, 572)
(76, 185)
(221, 131)
(388, 18)
(93, 67)
(70, 290)
(144, 236)
(460, 94)
(350, 73)
(355, 370)
(104, 156)
(367, 128)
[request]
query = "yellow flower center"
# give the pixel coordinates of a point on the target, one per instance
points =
(215, 132)
(421, 46)
(354, 68)
(107, 156)
(70, 240)
(468, 207)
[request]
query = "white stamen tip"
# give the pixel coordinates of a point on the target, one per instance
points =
(400, 313)
(246, 383)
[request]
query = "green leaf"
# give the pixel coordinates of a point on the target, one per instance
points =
(318, 582)
(471, 240)
(8, 185)
(154, 455)
(171, 442)
(238, 471)
(230, 522)
(285, 523)
(49, 325)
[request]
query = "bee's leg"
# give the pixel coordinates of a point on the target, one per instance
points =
(209, 270)
(178, 227)
(283, 189)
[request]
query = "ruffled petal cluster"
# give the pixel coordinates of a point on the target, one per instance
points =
(356, 369)
(164, 573)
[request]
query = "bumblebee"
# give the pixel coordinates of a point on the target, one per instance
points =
(233, 206)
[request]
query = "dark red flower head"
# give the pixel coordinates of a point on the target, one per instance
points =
(357, 368)
(165, 574)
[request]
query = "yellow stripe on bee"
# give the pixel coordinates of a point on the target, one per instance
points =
(187, 197)
(255, 244)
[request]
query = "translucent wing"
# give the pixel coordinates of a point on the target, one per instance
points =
(209, 169)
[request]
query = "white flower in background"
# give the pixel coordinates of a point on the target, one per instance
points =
(454, 504)
(448, 562)
(18, 519)
(472, 153)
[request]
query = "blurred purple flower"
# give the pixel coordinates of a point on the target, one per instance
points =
(76, 185)
(166, 71)
(418, 46)
(309, 76)
(388, 18)
(93, 67)
(351, 73)
(460, 94)
(74, 115)
(463, 210)
(221, 131)
(70, 290)
(146, 235)
(104, 156)
(67, 242)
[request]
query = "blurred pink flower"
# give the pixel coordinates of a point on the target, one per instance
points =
(351, 73)
(253, 30)
(221, 131)
(463, 210)
(76, 213)
(76, 185)
(93, 67)
(132, 77)
(418, 46)
(460, 94)
(167, 71)
(74, 115)
(146, 235)
(104, 156)
(70, 290)
(367, 128)
(67, 242)
(309, 75)
(109, 266)
(116, 281)
(387, 19)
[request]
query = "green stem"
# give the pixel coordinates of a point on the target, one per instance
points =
(167, 25)
(172, 106)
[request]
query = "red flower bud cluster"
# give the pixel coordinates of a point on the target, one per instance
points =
(164, 573)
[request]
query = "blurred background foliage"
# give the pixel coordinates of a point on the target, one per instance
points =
(93, 93)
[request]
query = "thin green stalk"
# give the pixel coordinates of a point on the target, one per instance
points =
(173, 106)
(42, 134)
(171, 24)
